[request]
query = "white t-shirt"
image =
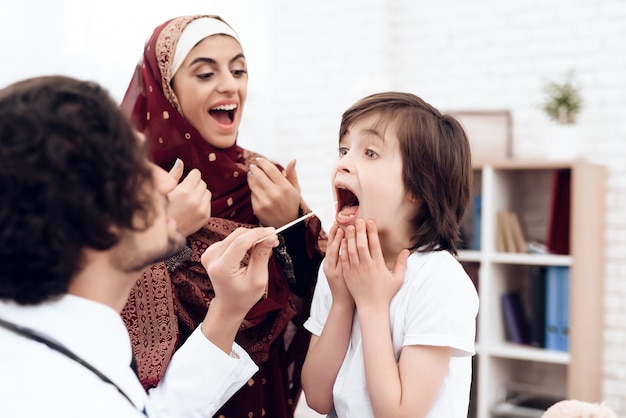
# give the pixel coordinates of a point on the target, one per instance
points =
(37, 381)
(436, 305)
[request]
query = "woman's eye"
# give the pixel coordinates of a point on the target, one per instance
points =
(239, 73)
(205, 76)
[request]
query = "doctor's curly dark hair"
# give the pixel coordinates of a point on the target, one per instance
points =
(72, 175)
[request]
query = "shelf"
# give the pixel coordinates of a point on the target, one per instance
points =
(527, 164)
(520, 352)
(532, 259)
(515, 258)
(527, 188)
(469, 256)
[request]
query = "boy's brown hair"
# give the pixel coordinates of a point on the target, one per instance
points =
(437, 168)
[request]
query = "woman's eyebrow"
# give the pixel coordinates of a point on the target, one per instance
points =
(237, 57)
(202, 59)
(212, 61)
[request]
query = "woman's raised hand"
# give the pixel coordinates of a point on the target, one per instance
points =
(190, 201)
(275, 195)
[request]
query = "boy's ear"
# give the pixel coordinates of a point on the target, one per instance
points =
(414, 199)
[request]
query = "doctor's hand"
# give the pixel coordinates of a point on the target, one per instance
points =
(237, 287)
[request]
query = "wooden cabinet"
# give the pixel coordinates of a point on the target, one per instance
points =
(526, 187)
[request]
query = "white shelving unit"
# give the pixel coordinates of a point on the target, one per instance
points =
(526, 187)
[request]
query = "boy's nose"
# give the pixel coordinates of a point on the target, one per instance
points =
(343, 166)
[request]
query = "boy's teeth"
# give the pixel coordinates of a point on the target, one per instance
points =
(343, 217)
(347, 212)
(225, 107)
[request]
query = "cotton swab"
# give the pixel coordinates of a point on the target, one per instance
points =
(300, 219)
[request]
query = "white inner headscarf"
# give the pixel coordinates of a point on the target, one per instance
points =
(194, 33)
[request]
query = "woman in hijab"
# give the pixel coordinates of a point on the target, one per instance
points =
(187, 96)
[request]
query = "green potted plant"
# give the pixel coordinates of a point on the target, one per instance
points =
(563, 100)
(563, 104)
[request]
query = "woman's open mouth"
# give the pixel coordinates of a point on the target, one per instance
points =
(224, 114)
(347, 205)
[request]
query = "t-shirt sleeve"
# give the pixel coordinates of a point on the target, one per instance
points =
(320, 306)
(441, 310)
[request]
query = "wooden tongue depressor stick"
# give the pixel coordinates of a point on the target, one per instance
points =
(300, 219)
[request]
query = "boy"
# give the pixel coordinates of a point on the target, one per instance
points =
(394, 314)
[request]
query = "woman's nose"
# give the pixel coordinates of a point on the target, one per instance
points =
(227, 83)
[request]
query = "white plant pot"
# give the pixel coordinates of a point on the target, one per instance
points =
(563, 142)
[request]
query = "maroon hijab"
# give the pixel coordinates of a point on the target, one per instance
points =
(163, 310)
(153, 107)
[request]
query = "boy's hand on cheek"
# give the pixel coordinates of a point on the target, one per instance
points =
(332, 266)
(364, 270)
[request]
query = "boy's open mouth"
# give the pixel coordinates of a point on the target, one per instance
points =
(224, 114)
(347, 204)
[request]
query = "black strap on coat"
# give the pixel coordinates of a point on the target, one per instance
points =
(33, 335)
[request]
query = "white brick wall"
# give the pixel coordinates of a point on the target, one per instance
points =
(479, 55)
(309, 61)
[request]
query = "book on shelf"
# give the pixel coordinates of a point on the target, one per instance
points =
(510, 237)
(515, 321)
(537, 296)
(505, 233)
(563, 319)
(470, 234)
(558, 238)
(557, 308)
(501, 246)
(518, 235)
(476, 221)
(552, 289)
